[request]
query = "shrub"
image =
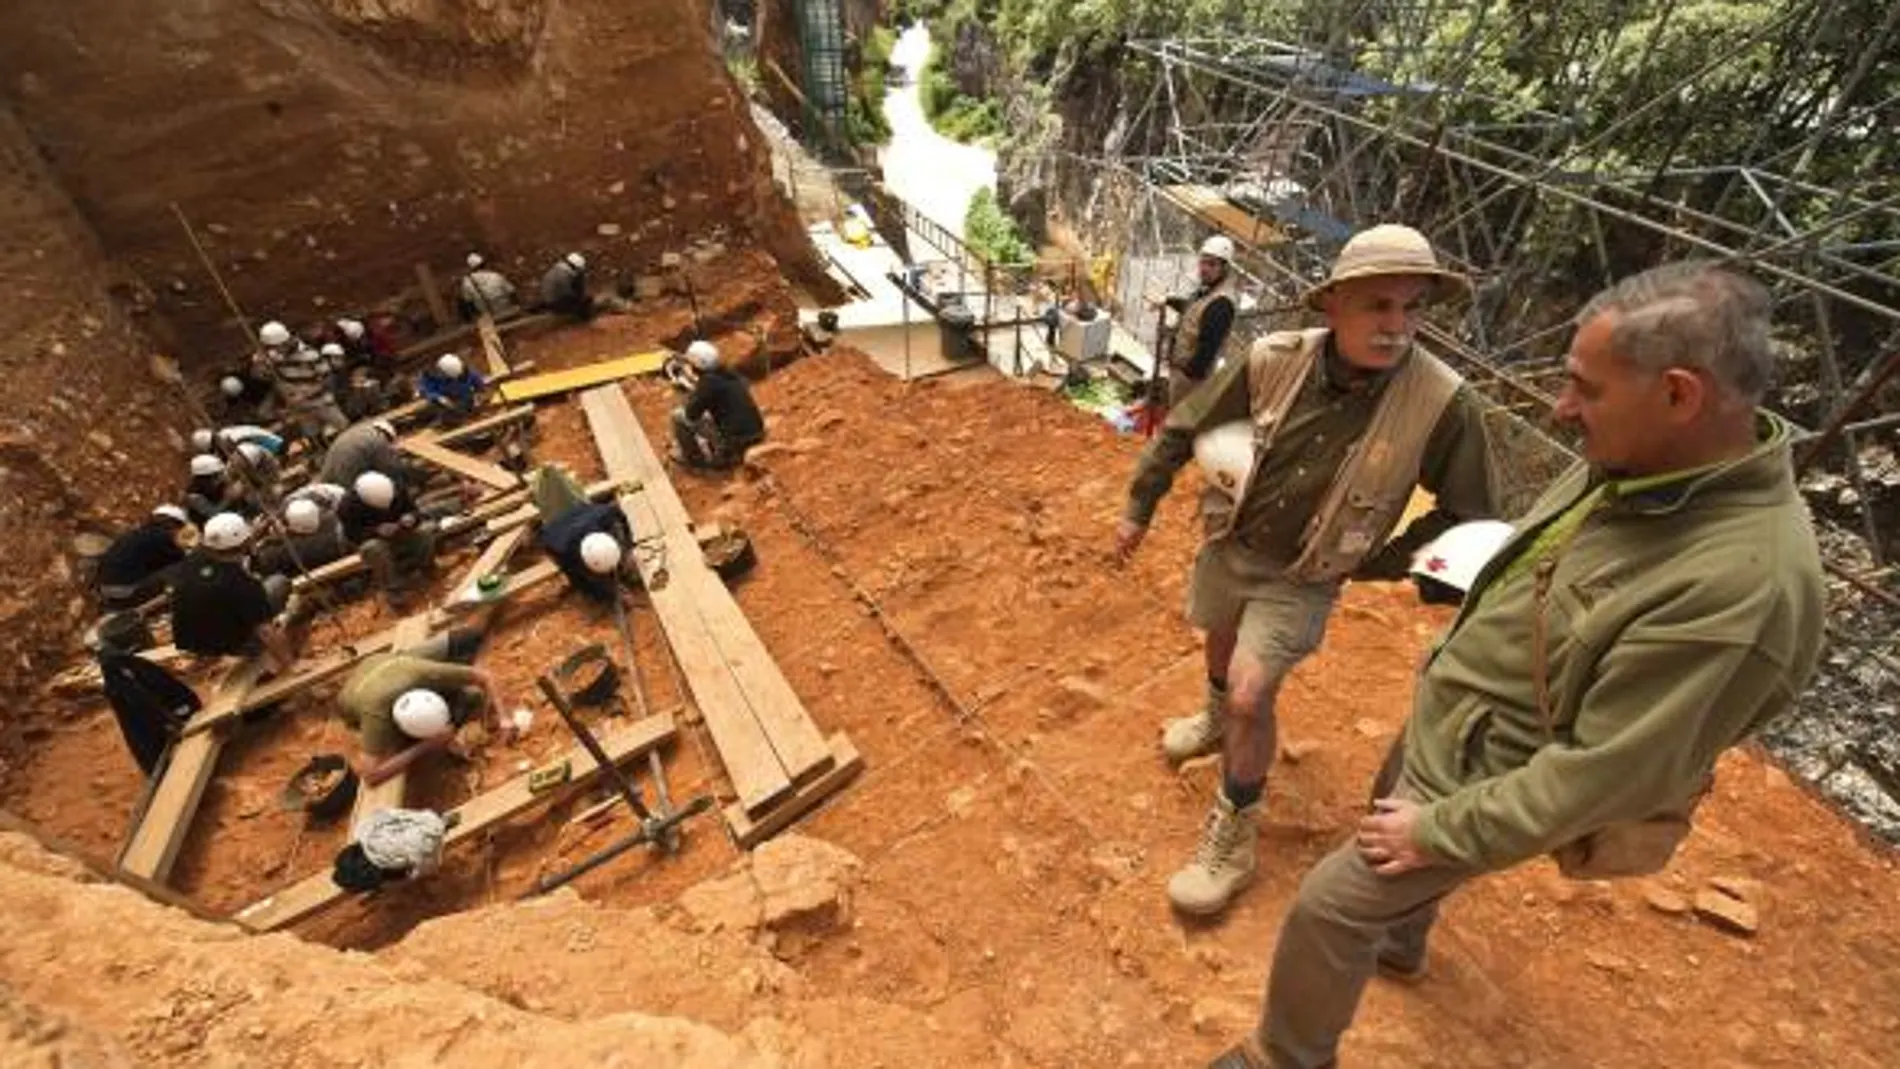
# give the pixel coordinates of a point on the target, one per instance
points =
(992, 233)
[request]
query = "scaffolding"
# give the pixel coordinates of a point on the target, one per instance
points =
(826, 82)
(1289, 146)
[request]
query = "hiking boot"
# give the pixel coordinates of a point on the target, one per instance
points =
(1194, 736)
(1405, 973)
(1223, 864)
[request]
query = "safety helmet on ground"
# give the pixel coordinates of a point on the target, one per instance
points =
(351, 328)
(600, 552)
(388, 428)
(703, 355)
(474, 260)
(201, 440)
(1226, 455)
(231, 386)
(331, 349)
(377, 490)
(206, 464)
(274, 334)
(576, 261)
(422, 714)
(226, 531)
(302, 516)
(1456, 557)
(1219, 247)
(451, 366)
(173, 513)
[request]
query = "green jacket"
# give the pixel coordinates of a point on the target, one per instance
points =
(1682, 615)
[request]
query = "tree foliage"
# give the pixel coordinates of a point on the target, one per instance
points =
(992, 233)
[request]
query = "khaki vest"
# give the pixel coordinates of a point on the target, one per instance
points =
(1187, 336)
(1369, 494)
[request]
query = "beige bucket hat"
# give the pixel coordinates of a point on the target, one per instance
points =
(1390, 249)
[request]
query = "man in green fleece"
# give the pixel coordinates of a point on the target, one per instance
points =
(1657, 606)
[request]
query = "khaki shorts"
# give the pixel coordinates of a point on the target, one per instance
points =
(1279, 621)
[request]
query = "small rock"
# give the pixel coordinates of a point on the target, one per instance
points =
(959, 802)
(827, 669)
(617, 188)
(806, 445)
(1369, 728)
(1086, 689)
(1663, 900)
(1737, 887)
(669, 203)
(1219, 1016)
(671, 261)
(767, 451)
(1298, 750)
(1606, 961)
(828, 419)
(1791, 1032)
(1727, 913)
(608, 230)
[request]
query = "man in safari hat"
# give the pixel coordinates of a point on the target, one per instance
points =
(1319, 439)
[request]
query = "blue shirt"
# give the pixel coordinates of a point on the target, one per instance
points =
(460, 393)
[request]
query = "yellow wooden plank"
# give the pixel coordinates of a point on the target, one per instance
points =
(580, 377)
(467, 467)
(315, 893)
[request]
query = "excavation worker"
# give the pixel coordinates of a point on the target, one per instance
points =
(404, 704)
(564, 288)
(452, 389)
(218, 607)
(303, 380)
(484, 289)
(1658, 605)
(382, 521)
(719, 421)
(586, 539)
(367, 446)
(313, 534)
(226, 438)
(212, 489)
(1204, 319)
(1312, 445)
(136, 566)
(243, 397)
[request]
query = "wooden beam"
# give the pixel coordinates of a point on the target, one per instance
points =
(432, 295)
(846, 763)
(317, 892)
(461, 332)
(757, 775)
(467, 467)
(793, 735)
(577, 378)
(493, 352)
(480, 426)
(162, 828)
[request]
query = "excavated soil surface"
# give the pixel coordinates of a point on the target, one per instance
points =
(934, 580)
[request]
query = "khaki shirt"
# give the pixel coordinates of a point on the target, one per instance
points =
(367, 702)
(1333, 410)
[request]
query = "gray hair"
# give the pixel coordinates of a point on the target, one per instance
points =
(1695, 314)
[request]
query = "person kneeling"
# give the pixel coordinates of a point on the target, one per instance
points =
(405, 705)
(720, 421)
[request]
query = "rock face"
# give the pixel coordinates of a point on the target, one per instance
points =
(322, 147)
(792, 891)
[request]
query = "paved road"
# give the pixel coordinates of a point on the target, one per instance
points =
(931, 171)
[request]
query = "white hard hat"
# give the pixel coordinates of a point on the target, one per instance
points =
(376, 489)
(226, 530)
(201, 440)
(703, 354)
(1220, 247)
(422, 714)
(172, 512)
(302, 516)
(1226, 455)
(252, 452)
(274, 333)
(388, 428)
(600, 553)
(577, 261)
(206, 464)
(331, 349)
(351, 328)
(450, 365)
(231, 386)
(1456, 557)
(474, 260)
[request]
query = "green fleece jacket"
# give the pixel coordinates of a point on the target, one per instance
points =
(1681, 618)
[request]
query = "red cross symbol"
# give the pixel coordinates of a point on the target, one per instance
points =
(1436, 564)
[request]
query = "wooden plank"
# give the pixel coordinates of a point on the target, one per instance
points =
(316, 893)
(162, 828)
(846, 763)
(793, 735)
(581, 377)
(492, 351)
(757, 776)
(467, 467)
(481, 426)
(432, 295)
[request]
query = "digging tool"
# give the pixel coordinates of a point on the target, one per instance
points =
(660, 830)
(623, 621)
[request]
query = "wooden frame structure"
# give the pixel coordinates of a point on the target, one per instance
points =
(779, 763)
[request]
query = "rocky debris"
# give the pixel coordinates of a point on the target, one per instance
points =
(1085, 690)
(1296, 750)
(1608, 962)
(794, 890)
(1665, 901)
(1221, 1017)
(1726, 912)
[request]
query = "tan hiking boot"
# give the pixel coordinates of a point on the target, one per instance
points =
(1223, 864)
(1193, 736)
